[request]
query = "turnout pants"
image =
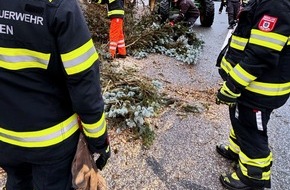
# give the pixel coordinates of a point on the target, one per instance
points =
(233, 11)
(248, 138)
(117, 41)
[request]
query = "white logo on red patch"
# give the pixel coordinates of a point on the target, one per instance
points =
(267, 23)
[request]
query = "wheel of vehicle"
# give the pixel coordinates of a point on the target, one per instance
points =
(206, 10)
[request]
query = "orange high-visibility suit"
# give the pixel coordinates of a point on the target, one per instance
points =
(117, 46)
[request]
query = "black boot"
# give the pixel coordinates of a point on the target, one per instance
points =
(226, 152)
(232, 182)
(121, 56)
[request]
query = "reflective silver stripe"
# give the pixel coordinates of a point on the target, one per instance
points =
(259, 120)
(238, 42)
(81, 59)
(225, 65)
(22, 58)
(268, 39)
(240, 75)
(237, 111)
(17, 58)
(269, 89)
(121, 41)
(116, 12)
(42, 138)
(113, 43)
(97, 129)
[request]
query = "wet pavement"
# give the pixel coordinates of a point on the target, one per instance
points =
(183, 155)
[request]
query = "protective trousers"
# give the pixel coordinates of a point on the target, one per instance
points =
(117, 41)
(233, 11)
(249, 139)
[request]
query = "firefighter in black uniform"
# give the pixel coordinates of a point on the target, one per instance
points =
(49, 75)
(256, 73)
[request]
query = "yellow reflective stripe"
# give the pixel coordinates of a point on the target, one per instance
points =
(227, 92)
(95, 130)
(226, 66)
(258, 162)
(43, 138)
(265, 175)
(17, 58)
(99, 1)
(241, 76)
(234, 147)
(268, 39)
(116, 12)
(269, 89)
(288, 43)
(238, 43)
(111, 1)
(80, 59)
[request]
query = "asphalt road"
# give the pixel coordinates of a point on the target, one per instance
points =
(183, 155)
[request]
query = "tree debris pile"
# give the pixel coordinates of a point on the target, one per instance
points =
(144, 33)
(130, 100)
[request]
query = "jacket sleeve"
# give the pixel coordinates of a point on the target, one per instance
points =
(81, 66)
(269, 34)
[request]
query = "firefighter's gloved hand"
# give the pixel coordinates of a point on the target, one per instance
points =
(171, 23)
(227, 95)
(103, 158)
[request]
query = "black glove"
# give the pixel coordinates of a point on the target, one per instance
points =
(103, 158)
(227, 95)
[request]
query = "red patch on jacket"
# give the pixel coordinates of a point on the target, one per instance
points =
(267, 23)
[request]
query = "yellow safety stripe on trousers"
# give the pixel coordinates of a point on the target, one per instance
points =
(95, 130)
(269, 89)
(17, 58)
(238, 43)
(288, 43)
(241, 76)
(116, 12)
(232, 145)
(259, 163)
(111, 1)
(80, 59)
(225, 65)
(43, 138)
(268, 39)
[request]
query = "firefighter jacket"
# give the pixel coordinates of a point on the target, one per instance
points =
(115, 8)
(257, 59)
(49, 75)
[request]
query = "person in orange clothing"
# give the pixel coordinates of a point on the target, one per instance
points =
(117, 46)
(116, 12)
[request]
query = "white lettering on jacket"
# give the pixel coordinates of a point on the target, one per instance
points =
(5, 29)
(24, 17)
